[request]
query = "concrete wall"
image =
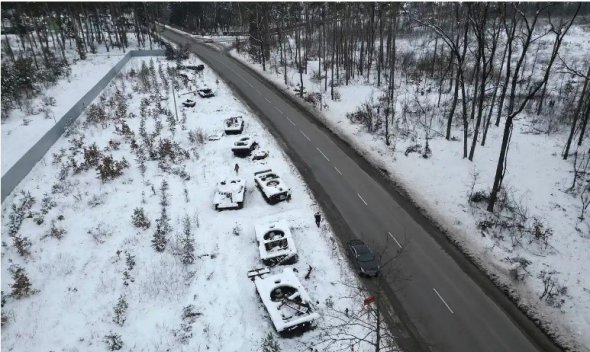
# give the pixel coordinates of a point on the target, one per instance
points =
(26, 163)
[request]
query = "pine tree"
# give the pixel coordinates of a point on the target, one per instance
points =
(21, 286)
(159, 241)
(162, 227)
(164, 195)
(139, 219)
(187, 243)
(120, 311)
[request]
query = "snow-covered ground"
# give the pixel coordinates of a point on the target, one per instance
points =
(537, 178)
(103, 262)
(22, 129)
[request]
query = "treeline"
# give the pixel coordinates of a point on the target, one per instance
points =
(205, 17)
(37, 39)
(485, 63)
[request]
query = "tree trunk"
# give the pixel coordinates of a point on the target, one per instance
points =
(380, 61)
(377, 330)
(576, 115)
(585, 123)
(489, 118)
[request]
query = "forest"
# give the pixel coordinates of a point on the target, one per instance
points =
(37, 57)
(478, 59)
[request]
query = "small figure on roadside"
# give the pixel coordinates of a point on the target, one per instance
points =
(236, 168)
(318, 218)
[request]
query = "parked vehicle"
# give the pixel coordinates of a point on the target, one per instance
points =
(230, 194)
(271, 186)
(363, 258)
(244, 146)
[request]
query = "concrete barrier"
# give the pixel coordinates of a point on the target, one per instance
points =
(25, 164)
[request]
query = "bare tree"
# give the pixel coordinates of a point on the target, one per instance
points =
(529, 26)
(583, 99)
(350, 327)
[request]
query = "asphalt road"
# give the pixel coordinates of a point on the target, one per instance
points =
(443, 301)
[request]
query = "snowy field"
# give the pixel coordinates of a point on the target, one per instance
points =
(24, 127)
(537, 180)
(97, 282)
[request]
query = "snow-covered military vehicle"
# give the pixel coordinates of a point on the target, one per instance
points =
(230, 194)
(244, 146)
(272, 187)
(286, 300)
(234, 125)
(189, 103)
(205, 93)
(275, 243)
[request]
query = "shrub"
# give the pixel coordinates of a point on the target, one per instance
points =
(100, 233)
(21, 287)
(5, 316)
(190, 313)
(49, 101)
(478, 197)
(47, 203)
(196, 137)
(518, 271)
(553, 291)
(171, 151)
(22, 245)
(56, 232)
(412, 149)
(189, 316)
(109, 169)
(139, 219)
(120, 311)
(313, 98)
(96, 114)
(92, 156)
(169, 52)
(540, 232)
(113, 341)
(336, 95)
(19, 212)
(163, 195)
(269, 344)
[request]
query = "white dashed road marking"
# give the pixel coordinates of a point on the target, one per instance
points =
(439, 296)
(265, 98)
(279, 110)
(322, 153)
(358, 194)
(292, 123)
(304, 135)
(393, 238)
(338, 171)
